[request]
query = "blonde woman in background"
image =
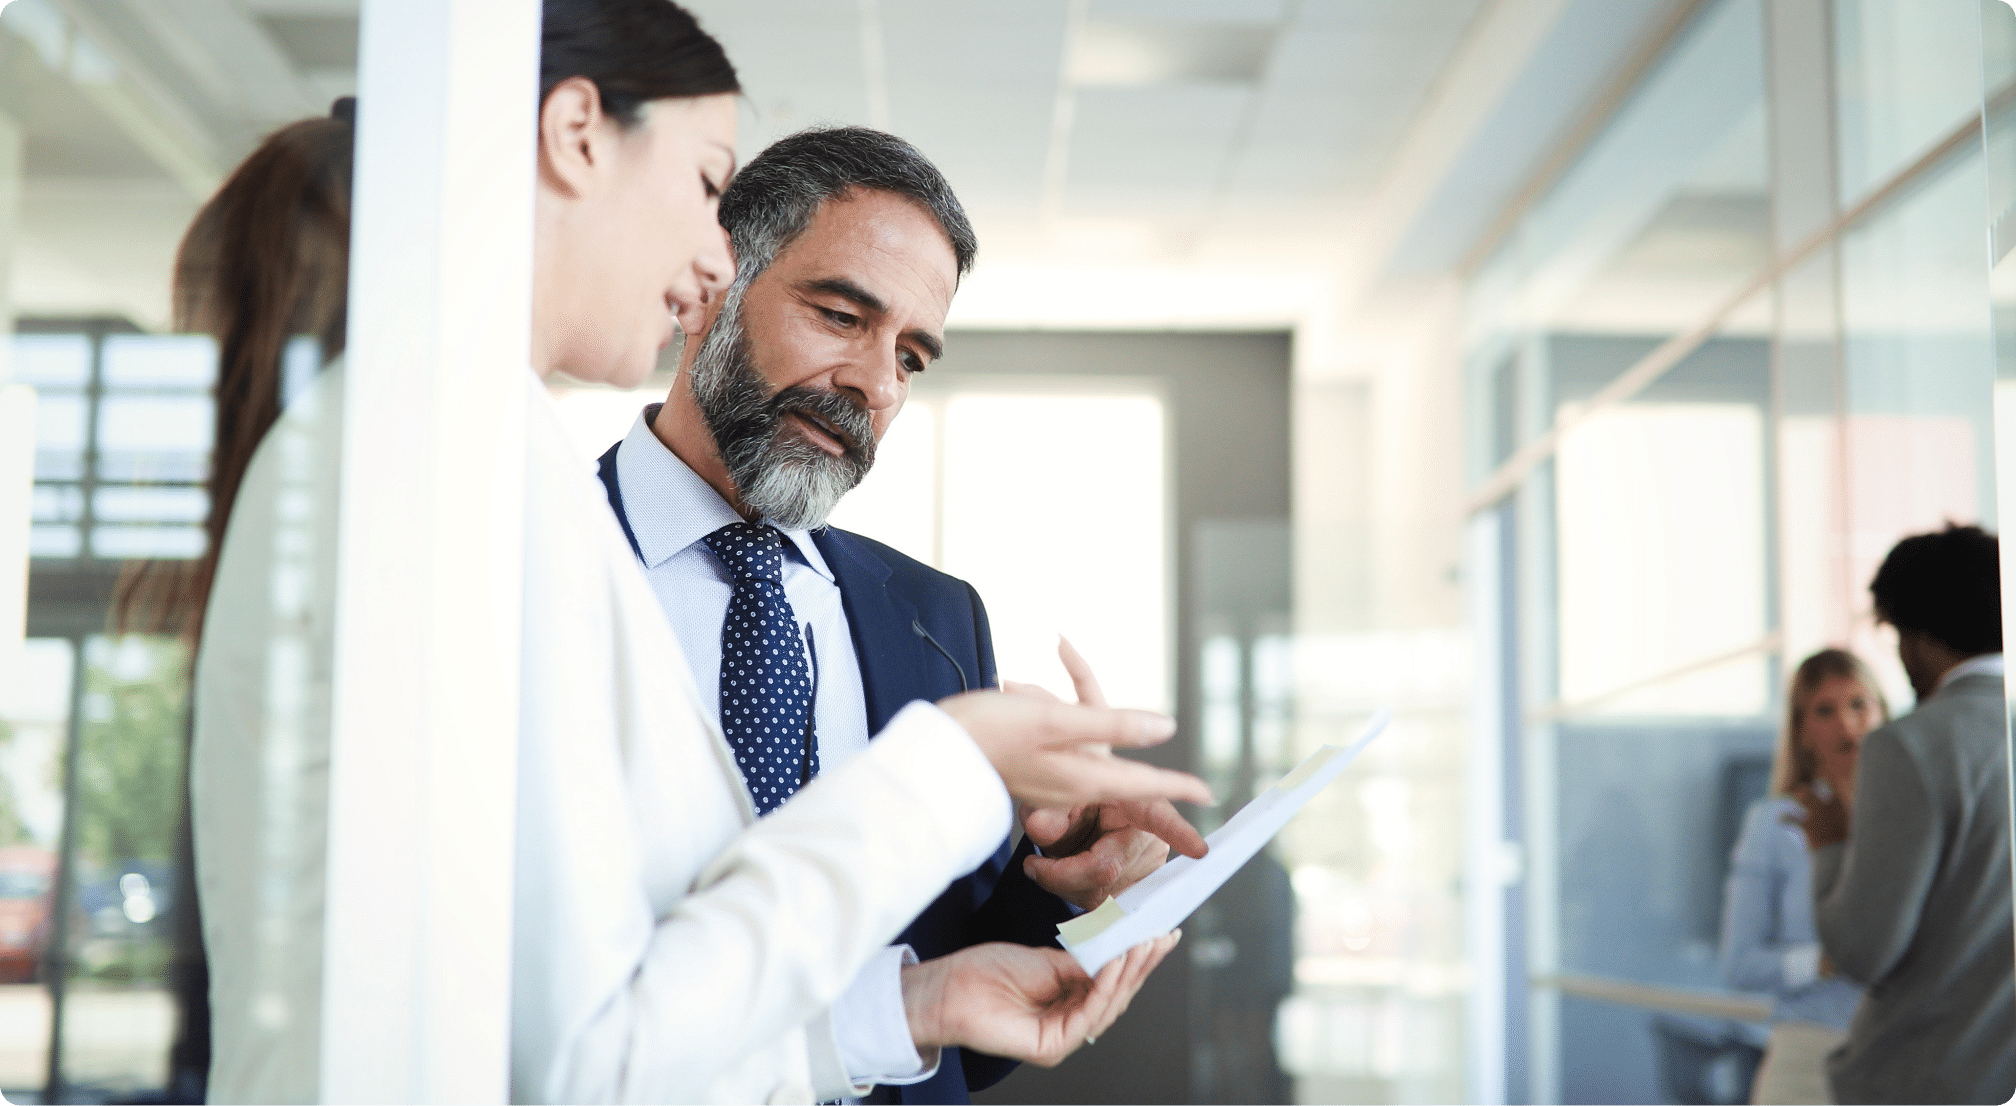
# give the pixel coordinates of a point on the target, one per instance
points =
(1768, 940)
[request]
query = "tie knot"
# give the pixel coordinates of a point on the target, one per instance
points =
(750, 551)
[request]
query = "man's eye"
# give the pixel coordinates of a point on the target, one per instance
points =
(707, 185)
(912, 362)
(841, 318)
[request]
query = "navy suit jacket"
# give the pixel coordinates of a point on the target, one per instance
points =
(892, 601)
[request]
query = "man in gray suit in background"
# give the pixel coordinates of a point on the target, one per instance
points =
(1914, 903)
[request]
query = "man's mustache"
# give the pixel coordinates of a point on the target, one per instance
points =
(848, 420)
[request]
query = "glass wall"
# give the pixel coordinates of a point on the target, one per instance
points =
(115, 125)
(1998, 52)
(971, 434)
(1704, 399)
(95, 722)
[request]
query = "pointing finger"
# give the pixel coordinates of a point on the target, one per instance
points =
(1033, 691)
(1082, 679)
(1162, 820)
(1102, 726)
(1113, 778)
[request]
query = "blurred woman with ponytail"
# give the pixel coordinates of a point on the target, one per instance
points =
(264, 270)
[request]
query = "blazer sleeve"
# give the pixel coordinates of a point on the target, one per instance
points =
(618, 1002)
(1869, 891)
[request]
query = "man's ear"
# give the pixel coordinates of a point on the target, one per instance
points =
(573, 133)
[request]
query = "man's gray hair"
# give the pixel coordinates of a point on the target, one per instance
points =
(772, 200)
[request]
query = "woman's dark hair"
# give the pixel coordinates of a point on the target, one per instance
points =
(1948, 584)
(634, 50)
(266, 260)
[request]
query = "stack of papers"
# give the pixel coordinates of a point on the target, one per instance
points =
(1159, 903)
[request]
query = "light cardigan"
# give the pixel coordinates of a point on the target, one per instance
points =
(667, 947)
(1768, 942)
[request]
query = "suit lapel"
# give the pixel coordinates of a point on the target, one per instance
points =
(605, 467)
(880, 620)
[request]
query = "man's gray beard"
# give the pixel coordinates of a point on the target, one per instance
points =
(782, 477)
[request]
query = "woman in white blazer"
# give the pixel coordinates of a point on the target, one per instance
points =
(668, 946)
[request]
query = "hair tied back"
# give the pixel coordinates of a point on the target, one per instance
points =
(344, 110)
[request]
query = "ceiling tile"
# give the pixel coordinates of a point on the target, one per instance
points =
(1151, 147)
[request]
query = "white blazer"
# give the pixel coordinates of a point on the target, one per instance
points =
(668, 947)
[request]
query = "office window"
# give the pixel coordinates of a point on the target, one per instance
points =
(1662, 557)
(122, 441)
(1038, 498)
(92, 727)
(1054, 511)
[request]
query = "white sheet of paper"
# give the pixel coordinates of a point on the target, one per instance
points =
(1159, 903)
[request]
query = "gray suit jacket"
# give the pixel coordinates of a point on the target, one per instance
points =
(1916, 907)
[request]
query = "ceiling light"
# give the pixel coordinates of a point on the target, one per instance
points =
(1126, 54)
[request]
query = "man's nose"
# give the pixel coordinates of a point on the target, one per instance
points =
(875, 377)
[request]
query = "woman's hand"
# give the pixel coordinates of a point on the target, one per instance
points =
(1826, 821)
(1053, 754)
(1096, 851)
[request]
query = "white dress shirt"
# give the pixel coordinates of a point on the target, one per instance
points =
(668, 947)
(670, 509)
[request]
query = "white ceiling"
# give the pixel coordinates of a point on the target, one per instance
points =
(1182, 171)
(1127, 162)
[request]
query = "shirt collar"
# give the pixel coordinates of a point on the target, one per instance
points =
(670, 507)
(1987, 664)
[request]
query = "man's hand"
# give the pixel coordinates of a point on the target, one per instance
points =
(1826, 821)
(1030, 1004)
(1098, 850)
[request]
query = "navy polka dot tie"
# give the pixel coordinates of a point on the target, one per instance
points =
(766, 687)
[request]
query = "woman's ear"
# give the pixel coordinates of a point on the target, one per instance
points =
(572, 131)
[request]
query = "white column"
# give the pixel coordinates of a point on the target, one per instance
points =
(1996, 24)
(417, 985)
(17, 422)
(1485, 872)
(1808, 460)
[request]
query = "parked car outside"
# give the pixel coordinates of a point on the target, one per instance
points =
(27, 880)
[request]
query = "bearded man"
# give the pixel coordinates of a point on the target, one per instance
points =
(849, 245)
